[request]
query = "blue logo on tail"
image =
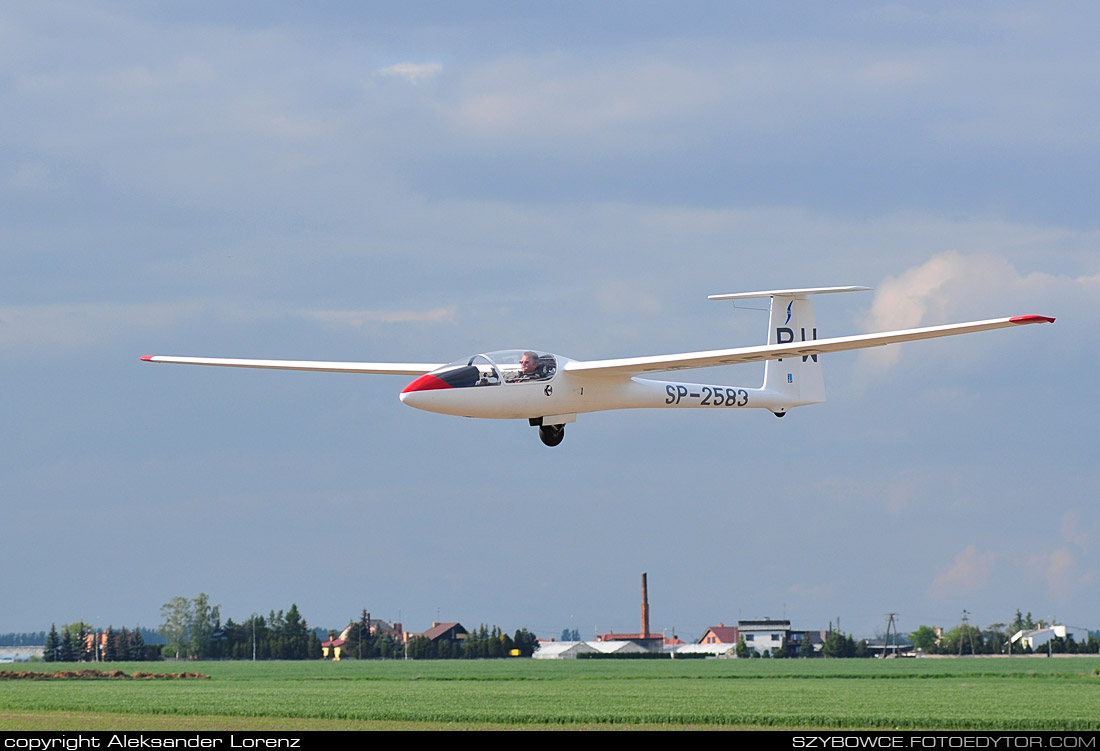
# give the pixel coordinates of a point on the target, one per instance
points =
(788, 313)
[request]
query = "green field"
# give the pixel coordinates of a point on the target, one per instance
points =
(1008, 694)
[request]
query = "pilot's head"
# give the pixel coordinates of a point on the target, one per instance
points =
(528, 362)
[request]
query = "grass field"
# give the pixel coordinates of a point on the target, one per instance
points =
(1007, 694)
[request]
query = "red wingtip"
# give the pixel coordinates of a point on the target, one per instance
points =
(1031, 319)
(147, 358)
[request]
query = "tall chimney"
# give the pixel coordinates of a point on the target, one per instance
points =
(645, 609)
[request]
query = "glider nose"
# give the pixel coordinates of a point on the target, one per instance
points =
(413, 394)
(427, 382)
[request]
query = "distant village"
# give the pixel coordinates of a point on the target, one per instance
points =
(193, 630)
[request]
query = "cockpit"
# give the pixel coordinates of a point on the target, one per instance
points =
(508, 366)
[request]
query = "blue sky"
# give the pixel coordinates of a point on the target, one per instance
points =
(353, 181)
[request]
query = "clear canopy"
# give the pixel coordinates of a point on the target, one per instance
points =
(502, 366)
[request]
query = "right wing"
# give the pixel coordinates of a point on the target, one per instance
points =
(384, 368)
(632, 366)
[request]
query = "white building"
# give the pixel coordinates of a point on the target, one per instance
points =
(764, 636)
(562, 650)
(1037, 637)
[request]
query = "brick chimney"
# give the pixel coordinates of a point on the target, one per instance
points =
(645, 609)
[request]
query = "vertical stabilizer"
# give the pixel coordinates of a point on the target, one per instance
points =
(797, 380)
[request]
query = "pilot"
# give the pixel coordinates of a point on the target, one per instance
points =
(529, 369)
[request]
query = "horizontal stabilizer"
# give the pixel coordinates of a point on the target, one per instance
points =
(796, 293)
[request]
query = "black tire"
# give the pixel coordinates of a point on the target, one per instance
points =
(552, 435)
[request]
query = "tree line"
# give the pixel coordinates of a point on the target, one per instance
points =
(965, 639)
(22, 639)
(837, 644)
(79, 642)
(482, 643)
(193, 629)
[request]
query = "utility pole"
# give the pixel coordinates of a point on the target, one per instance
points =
(890, 623)
(966, 628)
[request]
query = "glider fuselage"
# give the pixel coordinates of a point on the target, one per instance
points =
(483, 388)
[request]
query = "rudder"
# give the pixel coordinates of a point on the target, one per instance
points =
(797, 379)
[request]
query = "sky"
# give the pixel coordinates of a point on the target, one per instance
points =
(424, 181)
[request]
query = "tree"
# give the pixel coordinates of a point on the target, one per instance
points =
(137, 646)
(295, 635)
(924, 639)
(68, 646)
(52, 651)
(525, 642)
(178, 616)
(994, 638)
(83, 647)
(742, 649)
(806, 648)
(963, 639)
(109, 653)
(360, 640)
(388, 648)
(838, 645)
(204, 620)
(122, 645)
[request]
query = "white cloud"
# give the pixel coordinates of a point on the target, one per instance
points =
(1056, 567)
(969, 572)
(1077, 529)
(357, 318)
(413, 72)
(78, 325)
(951, 285)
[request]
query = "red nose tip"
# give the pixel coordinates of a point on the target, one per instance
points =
(426, 383)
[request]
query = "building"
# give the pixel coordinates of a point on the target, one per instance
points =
(720, 634)
(764, 636)
(562, 650)
(452, 631)
(1036, 638)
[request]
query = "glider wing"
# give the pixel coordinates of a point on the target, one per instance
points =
(631, 366)
(384, 368)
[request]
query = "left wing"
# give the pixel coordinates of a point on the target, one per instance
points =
(385, 368)
(630, 366)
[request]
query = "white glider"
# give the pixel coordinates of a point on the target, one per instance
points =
(550, 391)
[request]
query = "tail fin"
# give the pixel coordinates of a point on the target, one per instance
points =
(797, 380)
(794, 381)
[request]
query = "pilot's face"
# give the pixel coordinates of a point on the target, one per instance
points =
(527, 364)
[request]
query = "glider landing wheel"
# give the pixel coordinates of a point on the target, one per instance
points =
(551, 435)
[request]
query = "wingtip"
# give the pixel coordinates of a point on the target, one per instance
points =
(147, 358)
(1031, 319)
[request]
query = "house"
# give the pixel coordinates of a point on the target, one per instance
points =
(452, 631)
(720, 634)
(1037, 637)
(765, 635)
(378, 627)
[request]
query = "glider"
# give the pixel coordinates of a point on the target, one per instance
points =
(549, 390)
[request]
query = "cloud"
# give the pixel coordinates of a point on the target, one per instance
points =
(75, 325)
(1057, 568)
(359, 318)
(968, 573)
(1076, 529)
(625, 298)
(412, 72)
(950, 285)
